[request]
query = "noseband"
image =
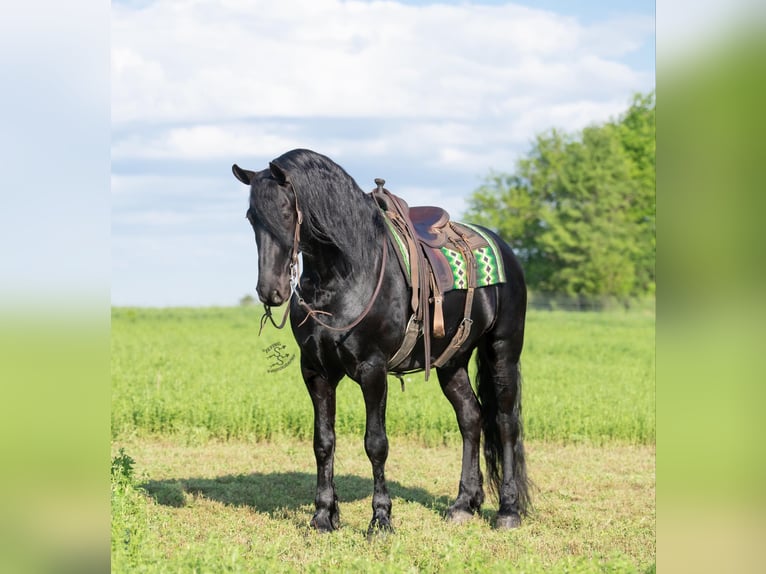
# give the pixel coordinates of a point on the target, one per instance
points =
(295, 283)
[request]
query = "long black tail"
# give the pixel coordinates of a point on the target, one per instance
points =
(486, 378)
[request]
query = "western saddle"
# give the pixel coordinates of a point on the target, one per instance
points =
(424, 230)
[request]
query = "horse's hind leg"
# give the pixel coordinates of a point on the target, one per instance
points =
(327, 516)
(374, 384)
(499, 379)
(456, 386)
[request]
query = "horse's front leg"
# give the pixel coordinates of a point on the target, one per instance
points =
(322, 391)
(374, 384)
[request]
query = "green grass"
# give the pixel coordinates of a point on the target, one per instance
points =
(245, 507)
(203, 374)
(223, 479)
(589, 376)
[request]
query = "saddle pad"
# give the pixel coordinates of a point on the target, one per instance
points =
(401, 252)
(489, 262)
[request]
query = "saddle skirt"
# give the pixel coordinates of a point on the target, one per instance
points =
(436, 255)
(449, 264)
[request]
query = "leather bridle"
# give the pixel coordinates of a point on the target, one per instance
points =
(295, 283)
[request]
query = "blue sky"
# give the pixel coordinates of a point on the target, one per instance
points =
(430, 96)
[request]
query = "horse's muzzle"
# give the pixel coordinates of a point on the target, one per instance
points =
(271, 298)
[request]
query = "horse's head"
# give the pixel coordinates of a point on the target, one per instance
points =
(274, 217)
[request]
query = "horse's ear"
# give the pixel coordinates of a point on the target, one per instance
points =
(243, 175)
(277, 172)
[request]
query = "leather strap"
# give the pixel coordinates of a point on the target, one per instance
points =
(314, 312)
(418, 266)
(411, 335)
(401, 220)
(464, 329)
(438, 312)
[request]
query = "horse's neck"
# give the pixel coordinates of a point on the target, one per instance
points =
(329, 269)
(326, 267)
(329, 276)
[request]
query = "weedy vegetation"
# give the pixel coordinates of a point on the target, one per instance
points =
(213, 469)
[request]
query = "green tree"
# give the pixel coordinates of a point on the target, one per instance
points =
(637, 132)
(579, 208)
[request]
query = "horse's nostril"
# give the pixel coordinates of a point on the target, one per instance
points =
(276, 298)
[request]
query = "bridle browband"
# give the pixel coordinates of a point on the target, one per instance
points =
(295, 281)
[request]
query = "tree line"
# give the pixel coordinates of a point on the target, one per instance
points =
(579, 208)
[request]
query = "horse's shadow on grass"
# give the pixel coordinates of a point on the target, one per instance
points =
(273, 493)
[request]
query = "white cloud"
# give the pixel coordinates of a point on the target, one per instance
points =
(454, 204)
(217, 59)
(567, 116)
(205, 141)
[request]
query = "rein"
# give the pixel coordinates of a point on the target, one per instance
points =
(294, 281)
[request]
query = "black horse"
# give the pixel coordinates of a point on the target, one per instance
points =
(348, 312)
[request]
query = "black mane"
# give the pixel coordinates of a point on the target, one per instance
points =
(335, 210)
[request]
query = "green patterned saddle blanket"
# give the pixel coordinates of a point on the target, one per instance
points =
(489, 262)
(448, 262)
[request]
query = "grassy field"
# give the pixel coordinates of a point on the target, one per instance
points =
(204, 373)
(224, 472)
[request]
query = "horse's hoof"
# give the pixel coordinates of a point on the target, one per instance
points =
(379, 529)
(507, 521)
(323, 524)
(459, 516)
(321, 528)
